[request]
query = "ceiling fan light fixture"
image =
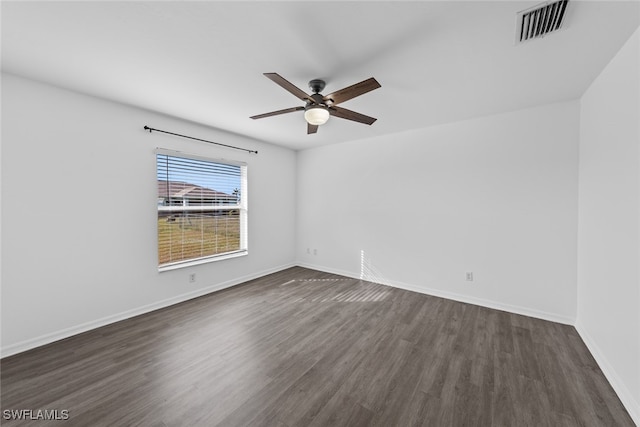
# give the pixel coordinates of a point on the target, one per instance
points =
(316, 115)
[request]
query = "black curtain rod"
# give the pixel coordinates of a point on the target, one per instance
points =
(198, 139)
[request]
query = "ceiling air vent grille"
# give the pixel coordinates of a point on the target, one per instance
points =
(540, 20)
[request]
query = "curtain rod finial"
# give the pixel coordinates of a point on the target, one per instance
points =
(147, 128)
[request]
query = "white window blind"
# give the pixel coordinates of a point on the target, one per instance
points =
(202, 209)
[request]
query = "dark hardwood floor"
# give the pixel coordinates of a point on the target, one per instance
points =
(304, 348)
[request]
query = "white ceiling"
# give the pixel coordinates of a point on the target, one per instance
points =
(437, 62)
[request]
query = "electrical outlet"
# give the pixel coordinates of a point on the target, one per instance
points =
(469, 276)
(309, 251)
(192, 277)
(315, 252)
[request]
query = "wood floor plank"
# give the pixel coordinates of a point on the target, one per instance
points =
(307, 348)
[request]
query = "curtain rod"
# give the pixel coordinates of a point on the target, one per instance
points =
(198, 139)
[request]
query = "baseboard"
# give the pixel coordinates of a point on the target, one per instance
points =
(525, 311)
(84, 327)
(630, 403)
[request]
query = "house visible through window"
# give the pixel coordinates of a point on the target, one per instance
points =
(202, 209)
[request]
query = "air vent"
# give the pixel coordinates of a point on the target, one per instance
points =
(540, 20)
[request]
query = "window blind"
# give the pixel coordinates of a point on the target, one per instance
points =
(202, 209)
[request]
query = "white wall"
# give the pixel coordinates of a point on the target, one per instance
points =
(78, 213)
(496, 196)
(609, 215)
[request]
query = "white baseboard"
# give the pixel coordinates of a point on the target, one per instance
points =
(525, 311)
(630, 403)
(94, 324)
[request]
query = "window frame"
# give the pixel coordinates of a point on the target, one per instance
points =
(241, 207)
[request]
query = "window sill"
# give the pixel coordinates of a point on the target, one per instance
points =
(205, 260)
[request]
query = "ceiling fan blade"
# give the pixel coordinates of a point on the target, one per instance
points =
(311, 128)
(352, 91)
(275, 113)
(343, 113)
(288, 86)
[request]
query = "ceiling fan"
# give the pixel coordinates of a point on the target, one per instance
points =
(319, 107)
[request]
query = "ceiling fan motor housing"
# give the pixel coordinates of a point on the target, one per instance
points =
(317, 100)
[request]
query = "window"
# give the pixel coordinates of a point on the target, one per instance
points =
(202, 209)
